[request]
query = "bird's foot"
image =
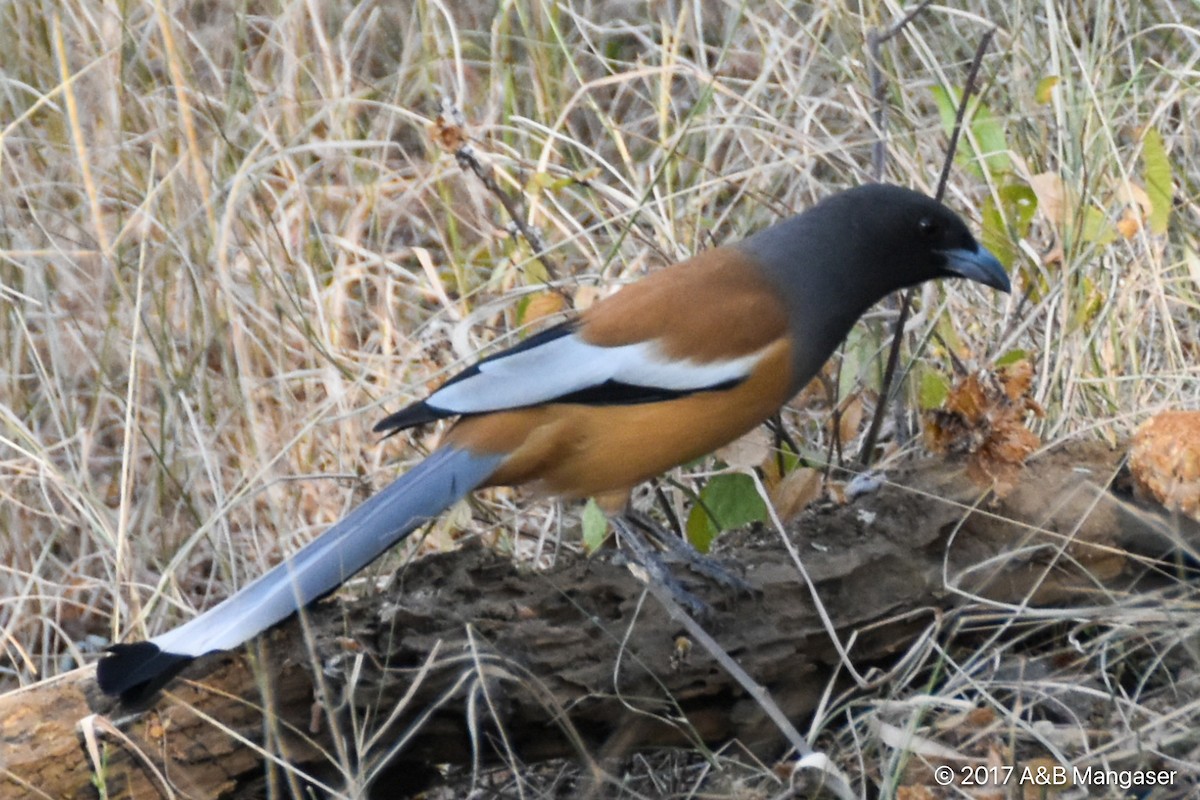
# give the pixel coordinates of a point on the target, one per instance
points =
(644, 556)
(681, 552)
(634, 531)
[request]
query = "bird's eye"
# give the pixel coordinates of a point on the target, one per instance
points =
(928, 227)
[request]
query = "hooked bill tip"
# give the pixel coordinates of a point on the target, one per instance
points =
(978, 265)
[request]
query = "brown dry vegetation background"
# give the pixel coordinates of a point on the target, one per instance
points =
(229, 242)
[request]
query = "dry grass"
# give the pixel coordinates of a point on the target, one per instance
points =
(227, 243)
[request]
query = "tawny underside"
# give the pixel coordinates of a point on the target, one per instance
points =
(582, 451)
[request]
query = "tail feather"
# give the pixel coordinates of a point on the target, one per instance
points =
(136, 671)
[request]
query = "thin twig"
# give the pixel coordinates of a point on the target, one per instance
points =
(956, 363)
(864, 456)
(449, 132)
(808, 758)
(668, 510)
(961, 113)
(466, 158)
(874, 40)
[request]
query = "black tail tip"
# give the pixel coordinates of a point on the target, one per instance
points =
(136, 671)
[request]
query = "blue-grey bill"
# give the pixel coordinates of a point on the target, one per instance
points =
(978, 265)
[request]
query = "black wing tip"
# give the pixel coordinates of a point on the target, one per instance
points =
(421, 413)
(136, 671)
(410, 417)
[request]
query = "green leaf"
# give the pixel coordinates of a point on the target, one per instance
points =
(1096, 227)
(983, 144)
(994, 234)
(595, 526)
(934, 389)
(1044, 92)
(1012, 357)
(791, 460)
(1160, 186)
(947, 106)
(535, 272)
(523, 306)
(1020, 204)
(860, 348)
(988, 130)
(545, 181)
(1092, 305)
(1007, 222)
(948, 330)
(726, 502)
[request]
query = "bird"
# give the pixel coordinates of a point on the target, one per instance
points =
(665, 370)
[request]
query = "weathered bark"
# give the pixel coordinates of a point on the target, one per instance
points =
(473, 657)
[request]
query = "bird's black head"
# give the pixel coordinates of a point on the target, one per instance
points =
(857, 246)
(834, 261)
(915, 238)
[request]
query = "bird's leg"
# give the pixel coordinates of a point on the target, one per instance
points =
(679, 550)
(635, 528)
(645, 557)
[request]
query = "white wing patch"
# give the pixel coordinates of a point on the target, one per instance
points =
(568, 364)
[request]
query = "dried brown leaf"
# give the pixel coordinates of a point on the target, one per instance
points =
(1017, 379)
(1164, 459)
(850, 419)
(795, 492)
(447, 135)
(1129, 224)
(984, 418)
(585, 297)
(747, 452)
(543, 304)
(1051, 195)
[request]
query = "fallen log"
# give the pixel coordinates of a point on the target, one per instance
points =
(469, 657)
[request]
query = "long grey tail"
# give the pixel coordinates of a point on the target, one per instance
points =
(136, 671)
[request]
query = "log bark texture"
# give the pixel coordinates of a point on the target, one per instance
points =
(469, 657)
